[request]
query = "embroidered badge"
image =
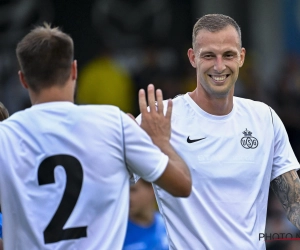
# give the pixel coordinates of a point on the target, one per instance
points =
(248, 141)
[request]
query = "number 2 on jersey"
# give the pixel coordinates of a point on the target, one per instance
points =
(54, 232)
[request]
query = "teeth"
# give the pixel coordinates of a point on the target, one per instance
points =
(219, 78)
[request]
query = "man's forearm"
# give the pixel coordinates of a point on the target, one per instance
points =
(287, 189)
(167, 149)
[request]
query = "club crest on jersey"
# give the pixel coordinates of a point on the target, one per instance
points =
(248, 141)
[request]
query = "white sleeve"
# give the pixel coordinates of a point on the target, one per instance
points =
(284, 158)
(142, 157)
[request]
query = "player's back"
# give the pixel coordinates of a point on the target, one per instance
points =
(63, 180)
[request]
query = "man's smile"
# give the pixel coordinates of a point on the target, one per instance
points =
(218, 78)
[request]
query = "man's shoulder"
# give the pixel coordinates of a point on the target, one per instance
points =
(250, 104)
(178, 103)
(100, 110)
(96, 107)
(106, 115)
(71, 110)
(176, 98)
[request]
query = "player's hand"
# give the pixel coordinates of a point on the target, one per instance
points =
(154, 122)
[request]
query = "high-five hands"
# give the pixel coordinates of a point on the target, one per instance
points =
(154, 122)
(176, 179)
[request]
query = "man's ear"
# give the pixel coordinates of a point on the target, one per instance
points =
(74, 70)
(191, 56)
(242, 57)
(22, 79)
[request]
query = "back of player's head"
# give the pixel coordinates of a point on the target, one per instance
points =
(45, 57)
(215, 23)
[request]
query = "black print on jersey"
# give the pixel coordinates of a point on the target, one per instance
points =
(55, 232)
(248, 141)
(191, 141)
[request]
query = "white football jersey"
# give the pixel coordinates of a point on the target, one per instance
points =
(232, 160)
(64, 175)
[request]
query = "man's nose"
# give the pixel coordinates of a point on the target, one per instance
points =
(219, 64)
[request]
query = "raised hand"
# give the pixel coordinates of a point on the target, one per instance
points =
(154, 122)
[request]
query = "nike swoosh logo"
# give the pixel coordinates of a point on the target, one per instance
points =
(191, 141)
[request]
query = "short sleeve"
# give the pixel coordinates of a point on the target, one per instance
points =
(284, 159)
(143, 158)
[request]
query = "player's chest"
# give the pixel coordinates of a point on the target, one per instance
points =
(207, 145)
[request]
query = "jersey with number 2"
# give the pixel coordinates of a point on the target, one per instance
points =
(64, 175)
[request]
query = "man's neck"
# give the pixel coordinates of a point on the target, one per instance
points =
(53, 94)
(213, 105)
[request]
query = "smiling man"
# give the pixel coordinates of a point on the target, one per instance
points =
(217, 55)
(234, 148)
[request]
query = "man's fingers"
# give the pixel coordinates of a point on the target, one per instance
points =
(159, 101)
(169, 109)
(151, 97)
(142, 101)
(154, 106)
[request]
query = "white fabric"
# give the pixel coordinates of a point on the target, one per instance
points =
(108, 145)
(228, 204)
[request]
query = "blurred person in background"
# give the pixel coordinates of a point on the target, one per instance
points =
(145, 229)
(104, 81)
